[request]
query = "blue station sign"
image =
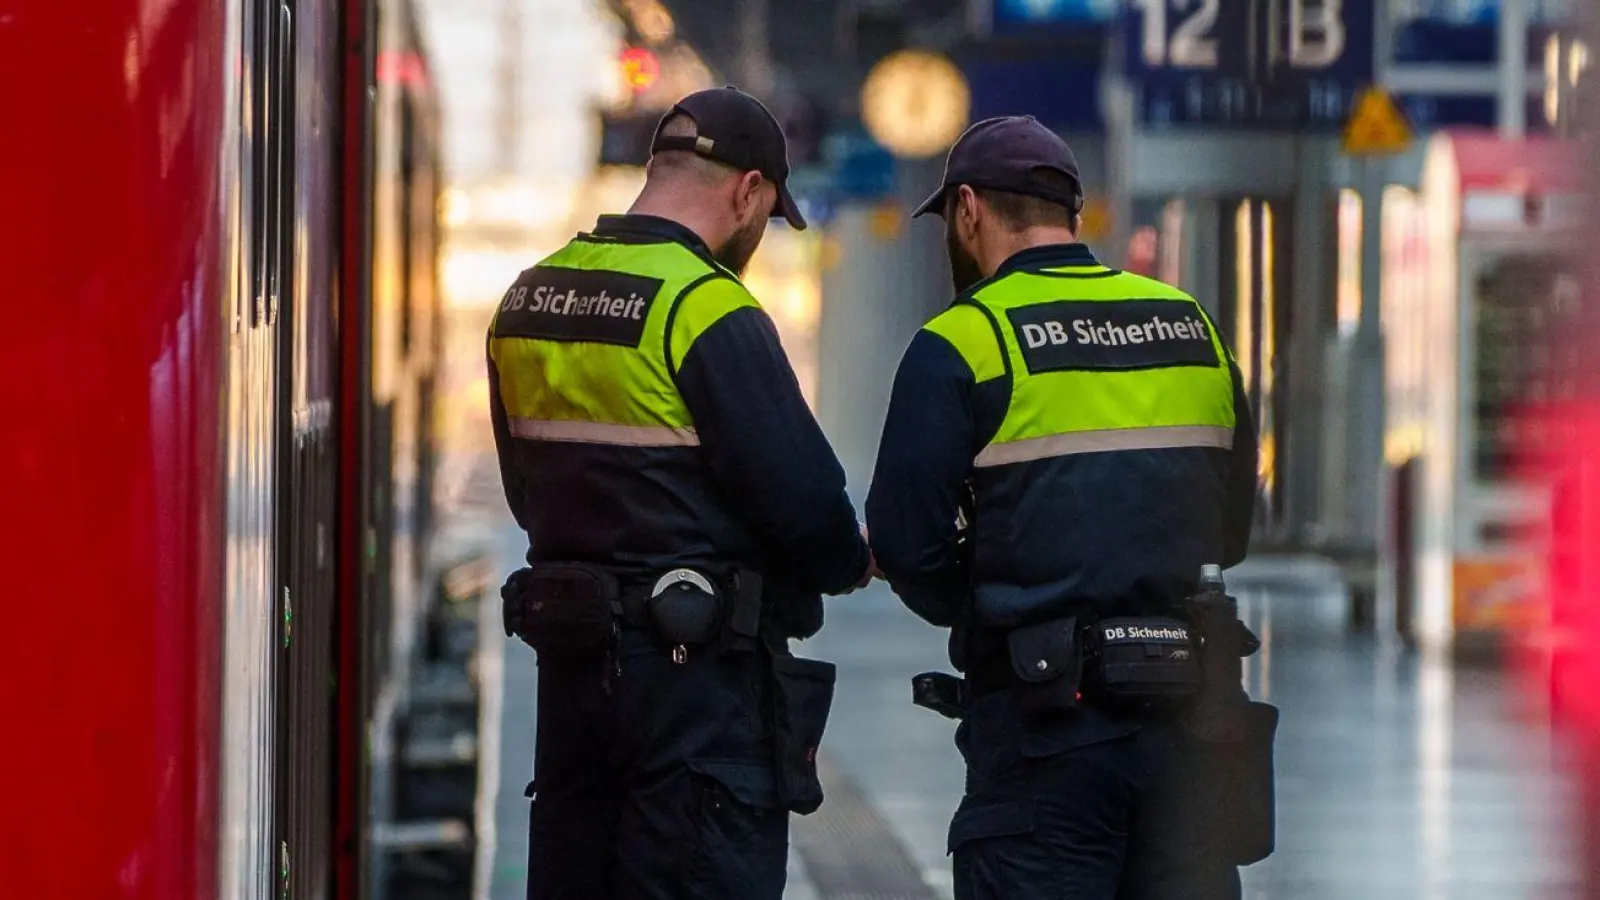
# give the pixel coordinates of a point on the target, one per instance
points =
(1260, 64)
(1020, 16)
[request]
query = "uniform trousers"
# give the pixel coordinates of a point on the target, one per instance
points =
(656, 783)
(1084, 805)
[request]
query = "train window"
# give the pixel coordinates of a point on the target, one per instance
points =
(282, 138)
(251, 189)
(259, 168)
(268, 168)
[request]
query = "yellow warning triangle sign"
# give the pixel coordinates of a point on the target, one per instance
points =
(1376, 125)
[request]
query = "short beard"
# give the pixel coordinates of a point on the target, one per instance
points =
(964, 271)
(735, 255)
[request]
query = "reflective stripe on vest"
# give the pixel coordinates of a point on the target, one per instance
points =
(1155, 437)
(586, 344)
(604, 433)
(1099, 360)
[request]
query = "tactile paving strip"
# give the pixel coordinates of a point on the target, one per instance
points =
(850, 852)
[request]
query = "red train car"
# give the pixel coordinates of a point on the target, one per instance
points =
(219, 242)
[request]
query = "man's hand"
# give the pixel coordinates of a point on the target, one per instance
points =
(872, 570)
(872, 564)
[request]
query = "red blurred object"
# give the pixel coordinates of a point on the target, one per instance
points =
(402, 67)
(1562, 659)
(191, 193)
(115, 271)
(1532, 165)
(1563, 663)
(1142, 251)
(640, 68)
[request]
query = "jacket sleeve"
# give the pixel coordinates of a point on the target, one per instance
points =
(924, 460)
(509, 479)
(766, 449)
(1241, 466)
(1241, 482)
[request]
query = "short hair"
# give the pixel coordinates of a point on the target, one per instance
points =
(685, 162)
(1021, 211)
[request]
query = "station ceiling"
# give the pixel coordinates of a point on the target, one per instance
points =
(820, 49)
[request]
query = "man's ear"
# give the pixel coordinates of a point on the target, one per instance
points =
(748, 193)
(967, 204)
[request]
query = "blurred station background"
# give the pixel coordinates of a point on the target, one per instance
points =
(1381, 201)
(1385, 204)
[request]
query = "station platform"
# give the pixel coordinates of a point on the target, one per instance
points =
(1399, 776)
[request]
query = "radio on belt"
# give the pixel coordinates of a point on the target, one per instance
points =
(685, 607)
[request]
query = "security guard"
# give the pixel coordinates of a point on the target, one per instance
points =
(1067, 445)
(684, 515)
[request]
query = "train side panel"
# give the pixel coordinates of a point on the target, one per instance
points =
(221, 410)
(116, 173)
(252, 610)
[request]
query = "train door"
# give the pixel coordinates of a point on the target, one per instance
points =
(300, 134)
(418, 783)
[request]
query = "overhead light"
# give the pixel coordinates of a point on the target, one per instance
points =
(915, 103)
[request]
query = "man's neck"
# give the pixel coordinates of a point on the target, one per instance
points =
(1026, 239)
(673, 210)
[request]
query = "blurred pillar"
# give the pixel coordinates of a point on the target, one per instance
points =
(1117, 103)
(755, 51)
(509, 117)
(1512, 113)
(1365, 382)
(1202, 252)
(1312, 322)
(889, 276)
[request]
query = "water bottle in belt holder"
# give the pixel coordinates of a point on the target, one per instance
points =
(1144, 662)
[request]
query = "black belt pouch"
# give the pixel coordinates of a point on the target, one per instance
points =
(802, 699)
(1047, 659)
(1142, 663)
(1235, 787)
(568, 609)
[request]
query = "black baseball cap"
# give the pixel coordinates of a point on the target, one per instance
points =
(1005, 154)
(734, 128)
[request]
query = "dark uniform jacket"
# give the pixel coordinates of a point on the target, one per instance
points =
(759, 487)
(1124, 530)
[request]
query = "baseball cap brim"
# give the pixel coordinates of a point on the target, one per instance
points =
(790, 209)
(934, 204)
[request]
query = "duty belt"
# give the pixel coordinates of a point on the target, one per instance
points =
(571, 609)
(739, 593)
(633, 609)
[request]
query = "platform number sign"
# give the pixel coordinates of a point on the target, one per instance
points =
(1184, 38)
(1182, 33)
(1248, 62)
